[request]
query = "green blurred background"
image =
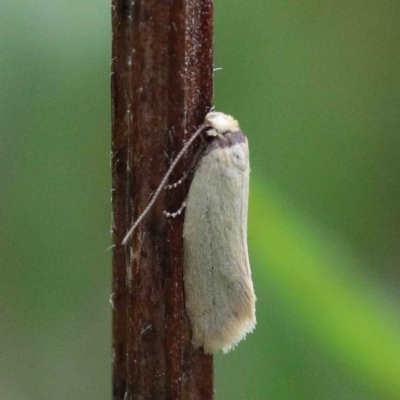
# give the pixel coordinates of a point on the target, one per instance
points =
(316, 86)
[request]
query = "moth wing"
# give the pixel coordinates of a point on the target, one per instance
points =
(219, 293)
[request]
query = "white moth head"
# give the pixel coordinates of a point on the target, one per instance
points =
(220, 123)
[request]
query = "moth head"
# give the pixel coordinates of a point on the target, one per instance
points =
(220, 123)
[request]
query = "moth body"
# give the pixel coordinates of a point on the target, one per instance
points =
(220, 299)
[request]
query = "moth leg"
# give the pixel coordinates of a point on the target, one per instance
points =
(194, 162)
(176, 184)
(175, 214)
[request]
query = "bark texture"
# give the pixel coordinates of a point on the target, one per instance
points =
(161, 90)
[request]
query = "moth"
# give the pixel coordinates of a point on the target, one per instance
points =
(219, 294)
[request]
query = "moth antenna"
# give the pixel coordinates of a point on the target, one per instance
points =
(162, 184)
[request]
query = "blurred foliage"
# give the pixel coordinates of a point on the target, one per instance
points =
(316, 86)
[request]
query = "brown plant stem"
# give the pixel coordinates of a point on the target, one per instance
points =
(161, 91)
